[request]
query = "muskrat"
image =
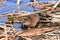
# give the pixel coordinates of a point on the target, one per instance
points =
(31, 21)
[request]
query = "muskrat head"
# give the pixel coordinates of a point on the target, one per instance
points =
(31, 21)
(26, 21)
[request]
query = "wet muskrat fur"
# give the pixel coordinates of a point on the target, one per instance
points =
(31, 21)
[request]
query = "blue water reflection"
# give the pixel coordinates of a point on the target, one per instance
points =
(2, 20)
(24, 7)
(17, 25)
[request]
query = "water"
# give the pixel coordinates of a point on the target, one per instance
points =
(2, 20)
(17, 27)
(11, 5)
